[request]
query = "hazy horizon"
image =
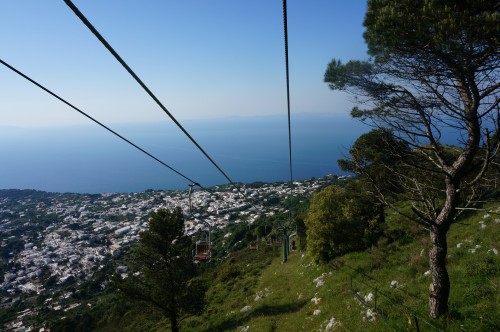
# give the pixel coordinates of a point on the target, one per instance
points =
(89, 159)
(213, 65)
(202, 60)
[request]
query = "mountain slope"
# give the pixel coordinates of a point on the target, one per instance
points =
(381, 289)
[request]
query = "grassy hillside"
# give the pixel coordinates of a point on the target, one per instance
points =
(381, 289)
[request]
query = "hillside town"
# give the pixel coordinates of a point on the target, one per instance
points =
(52, 240)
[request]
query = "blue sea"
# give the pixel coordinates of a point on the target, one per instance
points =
(88, 159)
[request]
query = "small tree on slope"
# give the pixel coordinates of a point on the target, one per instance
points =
(164, 270)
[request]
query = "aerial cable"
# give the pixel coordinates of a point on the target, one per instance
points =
(141, 83)
(285, 228)
(99, 123)
(285, 29)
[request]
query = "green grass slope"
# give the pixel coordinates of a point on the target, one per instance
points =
(381, 289)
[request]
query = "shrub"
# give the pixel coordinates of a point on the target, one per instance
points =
(341, 220)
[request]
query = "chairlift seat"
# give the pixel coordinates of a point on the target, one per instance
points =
(253, 245)
(202, 251)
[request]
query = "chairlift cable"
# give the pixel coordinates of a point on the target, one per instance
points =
(99, 123)
(143, 85)
(285, 30)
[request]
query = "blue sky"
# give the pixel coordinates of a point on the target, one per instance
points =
(203, 59)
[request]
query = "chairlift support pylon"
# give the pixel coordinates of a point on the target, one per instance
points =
(286, 246)
(191, 185)
(292, 242)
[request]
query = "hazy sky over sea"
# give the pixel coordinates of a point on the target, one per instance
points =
(216, 63)
(203, 59)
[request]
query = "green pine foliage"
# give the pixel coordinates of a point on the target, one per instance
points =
(163, 273)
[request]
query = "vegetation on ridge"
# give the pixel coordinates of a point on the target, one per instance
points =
(435, 69)
(381, 288)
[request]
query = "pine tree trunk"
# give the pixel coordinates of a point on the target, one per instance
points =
(439, 289)
(173, 322)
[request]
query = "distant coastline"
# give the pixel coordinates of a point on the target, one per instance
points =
(87, 159)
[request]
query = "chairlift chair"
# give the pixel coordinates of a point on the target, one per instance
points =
(202, 251)
(254, 245)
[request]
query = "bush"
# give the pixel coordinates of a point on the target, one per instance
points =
(482, 267)
(228, 272)
(341, 220)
